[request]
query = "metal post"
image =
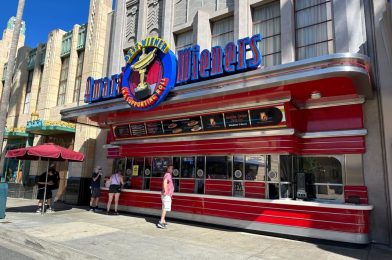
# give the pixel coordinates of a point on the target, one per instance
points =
(46, 183)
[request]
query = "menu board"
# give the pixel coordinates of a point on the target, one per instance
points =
(154, 128)
(259, 117)
(266, 116)
(183, 125)
(213, 122)
(237, 119)
(122, 131)
(138, 130)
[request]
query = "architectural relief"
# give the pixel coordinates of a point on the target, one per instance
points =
(154, 17)
(131, 26)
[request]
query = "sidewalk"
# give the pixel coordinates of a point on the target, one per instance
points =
(75, 233)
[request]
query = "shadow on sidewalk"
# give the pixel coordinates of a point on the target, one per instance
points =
(58, 206)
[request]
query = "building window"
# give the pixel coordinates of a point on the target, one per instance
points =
(266, 21)
(39, 86)
(184, 40)
(78, 79)
(323, 177)
(63, 81)
(222, 31)
(313, 28)
(26, 107)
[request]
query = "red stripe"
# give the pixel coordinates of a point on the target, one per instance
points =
(344, 220)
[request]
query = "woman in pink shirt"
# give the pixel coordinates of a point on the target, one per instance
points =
(167, 193)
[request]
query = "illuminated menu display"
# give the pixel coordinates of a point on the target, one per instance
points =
(122, 131)
(154, 128)
(138, 130)
(213, 122)
(252, 118)
(183, 125)
(237, 119)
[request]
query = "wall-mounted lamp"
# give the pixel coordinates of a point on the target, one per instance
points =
(34, 116)
(315, 95)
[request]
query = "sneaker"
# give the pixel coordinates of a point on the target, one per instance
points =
(50, 210)
(91, 209)
(161, 225)
(39, 210)
(115, 213)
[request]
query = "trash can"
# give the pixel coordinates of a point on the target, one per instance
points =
(3, 198)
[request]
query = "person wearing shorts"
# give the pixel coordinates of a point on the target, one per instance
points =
(116, 182)
(166, 196)
(95, 188)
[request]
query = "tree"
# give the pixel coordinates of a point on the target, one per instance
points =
(5, 97)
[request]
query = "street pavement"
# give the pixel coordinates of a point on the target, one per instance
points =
(74, 233)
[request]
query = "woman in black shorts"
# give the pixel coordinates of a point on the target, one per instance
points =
(116, 182)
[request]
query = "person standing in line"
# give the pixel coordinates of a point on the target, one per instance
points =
(43, 196)
(95, 188)
(56, 180)
(167, 194)
(116, 181)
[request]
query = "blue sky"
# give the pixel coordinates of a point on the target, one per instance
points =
(42, 16)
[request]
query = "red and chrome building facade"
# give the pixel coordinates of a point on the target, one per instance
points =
(276, 149)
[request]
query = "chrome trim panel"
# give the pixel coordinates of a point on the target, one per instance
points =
(248, 105)
(282, 201)
(334, 65)
(166, 139)
(330, 103)
(354, 132)
(354, 170)
(242, 134)
(357, 238)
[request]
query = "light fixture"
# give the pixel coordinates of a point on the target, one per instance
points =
(315, 95)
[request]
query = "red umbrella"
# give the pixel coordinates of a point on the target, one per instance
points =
(48, 151)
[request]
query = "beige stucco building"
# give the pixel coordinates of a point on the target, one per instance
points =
(47, 79)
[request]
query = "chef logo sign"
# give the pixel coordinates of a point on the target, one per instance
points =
(152, 70)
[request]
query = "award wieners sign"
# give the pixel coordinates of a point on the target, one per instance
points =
(152, 70)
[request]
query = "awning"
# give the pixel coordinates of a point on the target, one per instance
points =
(16, 133)
(47, 127)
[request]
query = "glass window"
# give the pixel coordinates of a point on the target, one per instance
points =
(200, 173)
(266, 21)
(324, 175)
(176, 167)
(255, 168)
(39, 86)
(188, 165)
(119, 165)
(63, 81)
(138, 166)
(78, 78)
(238, 167)
(286, 176)
(272, 176)
(219, 167)
(26, 108)
(159, 165)
(128, 173)
(184, 40)
(222, 31)
(313, 28)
